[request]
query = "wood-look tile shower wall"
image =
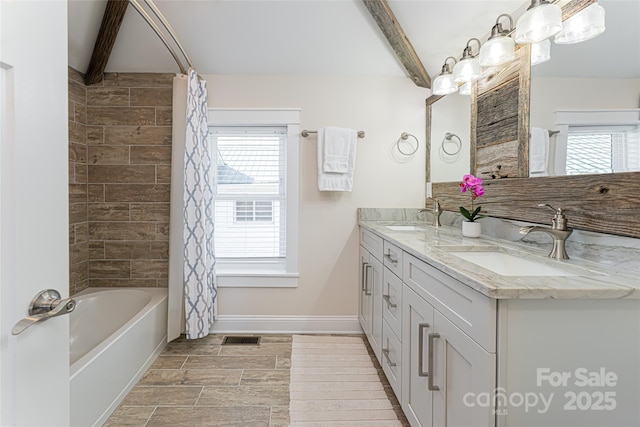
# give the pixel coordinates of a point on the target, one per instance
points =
(128, 138)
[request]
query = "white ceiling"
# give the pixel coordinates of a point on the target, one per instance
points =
(307, 37)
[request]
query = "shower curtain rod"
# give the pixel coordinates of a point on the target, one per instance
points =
(159, 33)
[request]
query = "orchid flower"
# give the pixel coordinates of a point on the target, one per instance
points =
(473, 185)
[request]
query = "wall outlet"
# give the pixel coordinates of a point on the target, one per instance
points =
(429, 192)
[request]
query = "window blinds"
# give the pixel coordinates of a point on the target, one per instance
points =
(250, 200)
(595, 149)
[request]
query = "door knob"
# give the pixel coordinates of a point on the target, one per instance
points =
(43, 306)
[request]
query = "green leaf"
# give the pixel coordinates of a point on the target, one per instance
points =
(465, 213)
(476, 212)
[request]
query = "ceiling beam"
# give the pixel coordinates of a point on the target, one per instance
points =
(111, 21)
(398, 40)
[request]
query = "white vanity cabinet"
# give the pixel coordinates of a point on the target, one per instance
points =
(370, 306)
(441, 362)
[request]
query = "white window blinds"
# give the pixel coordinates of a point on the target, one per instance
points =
(250, 200)
(602, 149)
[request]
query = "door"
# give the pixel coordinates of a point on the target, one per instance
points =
(364, 300)
(464, 372)
(34, 366)
(375, 286)
(417, 315)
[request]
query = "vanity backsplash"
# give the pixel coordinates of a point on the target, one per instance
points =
(623, 253)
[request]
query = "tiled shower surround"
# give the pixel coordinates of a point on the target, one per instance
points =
(128, 172)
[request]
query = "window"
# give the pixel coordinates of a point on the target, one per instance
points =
(256, 186)
(602, 149)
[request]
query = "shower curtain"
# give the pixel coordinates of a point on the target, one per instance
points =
(191, 257)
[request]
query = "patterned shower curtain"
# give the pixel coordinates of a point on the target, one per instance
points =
(200, 291)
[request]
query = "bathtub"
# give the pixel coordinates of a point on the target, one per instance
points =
(115, 334)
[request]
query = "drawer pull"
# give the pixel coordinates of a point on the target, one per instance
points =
(366, 270)
(430, 384)
(385, 352)
(364, 286)
(421, 328)
(387, 299)
(391, 260)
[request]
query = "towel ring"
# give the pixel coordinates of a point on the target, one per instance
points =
(403, 137)
(447, 137)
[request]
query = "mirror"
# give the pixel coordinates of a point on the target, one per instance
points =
(449, 136)
(589, 93)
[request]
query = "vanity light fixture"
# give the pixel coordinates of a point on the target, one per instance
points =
(500, 48)
(465, 89)
(584, 25)
(444, 84)
(468, 68)
(541, 21)
(540, 52)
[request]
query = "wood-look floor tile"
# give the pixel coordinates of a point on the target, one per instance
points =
(130, 416)
(169, 362)
(267, 349)
(230, 362)
(191, 377)
(283, 362)
(275, 339)
(279, 416)
(190, 347)
(166, 396)
(245, 396)
(245, 416)
(265, 377)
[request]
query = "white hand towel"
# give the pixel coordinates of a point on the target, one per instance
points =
(539, 152)
(336, 158)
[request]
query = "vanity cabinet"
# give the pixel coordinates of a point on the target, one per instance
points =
(370, 301)
(457, 357)
(441, 362)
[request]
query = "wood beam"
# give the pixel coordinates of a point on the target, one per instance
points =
(386, 20)
(111, 21)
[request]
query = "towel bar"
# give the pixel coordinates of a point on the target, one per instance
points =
(305, 133)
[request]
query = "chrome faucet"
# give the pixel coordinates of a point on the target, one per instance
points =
(436, 212)
(558, 231)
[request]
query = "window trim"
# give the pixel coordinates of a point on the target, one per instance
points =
(273, 275)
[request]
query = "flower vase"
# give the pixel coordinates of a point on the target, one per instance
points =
(471, 229)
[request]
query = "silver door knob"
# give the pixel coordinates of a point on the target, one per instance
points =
(43, 306)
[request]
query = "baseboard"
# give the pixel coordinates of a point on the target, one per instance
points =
(287, 324)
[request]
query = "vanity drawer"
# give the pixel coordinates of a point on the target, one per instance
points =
(472, 312)
(392, 359)
(372, 243)
(392, 301)
(393, 258)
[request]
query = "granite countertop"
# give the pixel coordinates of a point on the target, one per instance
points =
(433, 245)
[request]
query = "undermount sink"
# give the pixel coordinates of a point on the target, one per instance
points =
(508, 265)
(404, 228)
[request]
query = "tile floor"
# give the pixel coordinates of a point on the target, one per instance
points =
(202, 383)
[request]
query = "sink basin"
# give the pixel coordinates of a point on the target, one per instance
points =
(509, 265)
(404, 228)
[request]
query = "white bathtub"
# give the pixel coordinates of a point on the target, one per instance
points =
(115, 334)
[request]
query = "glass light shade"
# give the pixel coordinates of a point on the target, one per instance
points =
(582, 26)
(497, 51)
(465, 89)
(539, 23)
(540, 52)
(467, 70)
(444, 84)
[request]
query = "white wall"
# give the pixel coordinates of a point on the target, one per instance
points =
(383, 107)
(450, 114)
(549, 94)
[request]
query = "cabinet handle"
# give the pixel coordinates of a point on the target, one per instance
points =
(366, 289)
(364, 265)
(421, 328)
(385, 352)
(430, 385)
(387, 299)
(391, 260)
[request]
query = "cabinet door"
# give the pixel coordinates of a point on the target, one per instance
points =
(375, 288)
(461, 370)
(364, 301)
(392, 301)
(417, 317)
(392, 359)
